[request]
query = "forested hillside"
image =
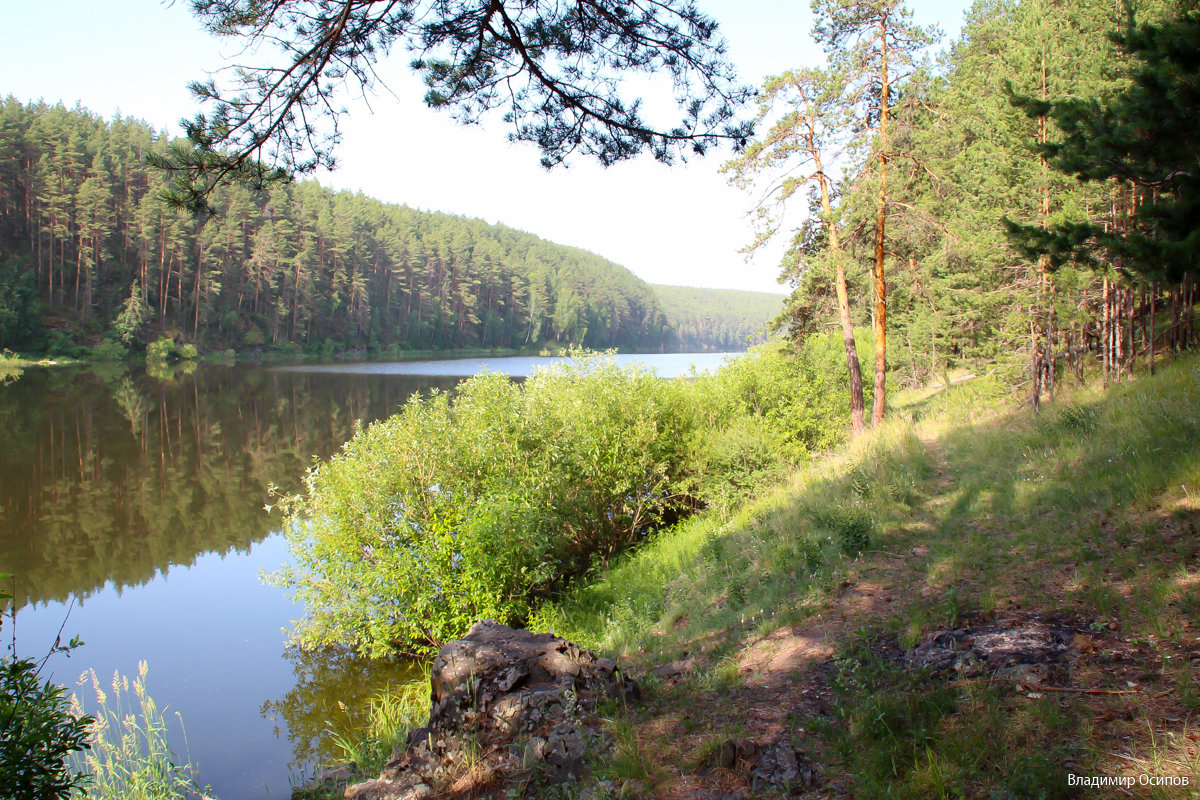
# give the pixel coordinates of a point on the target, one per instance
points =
(88, 244)
(1023, 200)
(718, 319)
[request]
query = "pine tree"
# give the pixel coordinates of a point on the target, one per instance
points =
(1144, 136)
(792, 156)
(872, 42)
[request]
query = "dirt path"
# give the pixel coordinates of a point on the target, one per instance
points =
(702, 733)
(780, 689)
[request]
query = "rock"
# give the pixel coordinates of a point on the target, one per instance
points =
(782, 768)
(508, 703)
(673, 669)
(333, 778)
(731, 751)
(371, 790)
(1029, 652)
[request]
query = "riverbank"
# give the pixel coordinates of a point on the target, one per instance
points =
(978, 512)
(267, 356)
(976, 519)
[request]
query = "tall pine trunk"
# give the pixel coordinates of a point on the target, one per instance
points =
(880, 223)
(857, 425)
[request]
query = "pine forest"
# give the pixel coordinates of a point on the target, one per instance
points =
(91, 252)
(1009, 202)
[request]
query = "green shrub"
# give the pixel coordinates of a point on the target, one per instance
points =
(38, 729)
(796, 396)
(490, 505)
(450, 512)
(61, 343)
(164, 350)
(160, 350)
(109, 350)
(736, 457)
(253, 338)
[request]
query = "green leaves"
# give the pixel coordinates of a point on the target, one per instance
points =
(448, 513)
(487, 506)
(39, 732)
(38, 728)
(1144, 137)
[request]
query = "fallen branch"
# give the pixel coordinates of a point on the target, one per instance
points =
(1071, 689)
(1083, 691)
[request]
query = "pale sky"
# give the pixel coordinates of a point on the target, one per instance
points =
(677, 225)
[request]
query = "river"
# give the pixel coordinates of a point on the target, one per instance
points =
(132, 515)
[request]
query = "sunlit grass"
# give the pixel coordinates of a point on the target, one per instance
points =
(770, 564)
(129, 755)
(1088, 509)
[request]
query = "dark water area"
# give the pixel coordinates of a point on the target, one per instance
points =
(132, 510)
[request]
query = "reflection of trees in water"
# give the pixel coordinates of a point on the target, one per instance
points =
(332, 694)
(113, 475)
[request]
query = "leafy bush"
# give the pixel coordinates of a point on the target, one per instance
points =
(109, 350)
(163, 350)
(38, 730)
(489, 505)
(734, 458)
(794, 395)
(160, 350)
(62, 343)
(450, 512)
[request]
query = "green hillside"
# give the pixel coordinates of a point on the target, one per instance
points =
(86, 239)
(973, 514)
(718, 319)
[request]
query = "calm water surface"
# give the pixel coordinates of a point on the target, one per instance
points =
(132, 507)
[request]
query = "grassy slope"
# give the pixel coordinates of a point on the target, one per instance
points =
(762, 627)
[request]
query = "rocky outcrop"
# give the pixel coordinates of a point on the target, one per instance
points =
(775, 767)
(1028, 651)
(508, 706)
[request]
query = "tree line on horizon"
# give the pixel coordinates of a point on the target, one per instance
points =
(90, 249)
(718, 319)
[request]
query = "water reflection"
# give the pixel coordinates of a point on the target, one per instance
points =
(142, 496)
(331, 694)
(113, 476)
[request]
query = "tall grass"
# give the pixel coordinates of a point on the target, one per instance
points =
(390, 716)
(764, 567)
(130, 757)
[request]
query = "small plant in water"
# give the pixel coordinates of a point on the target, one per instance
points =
(390, 715)
(130, 757)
